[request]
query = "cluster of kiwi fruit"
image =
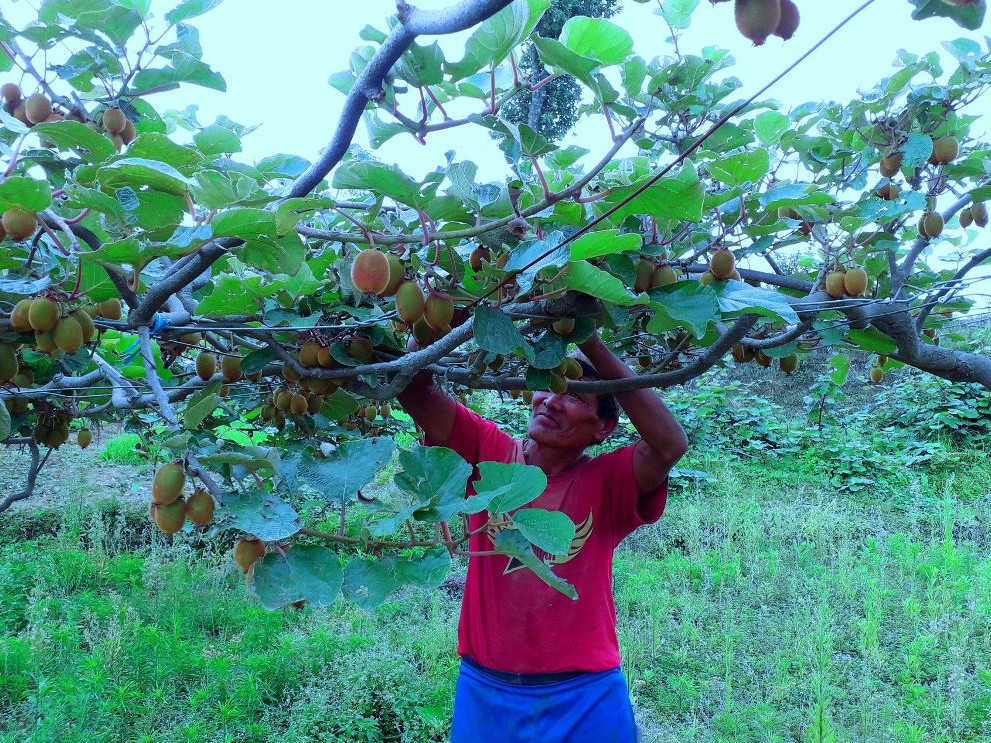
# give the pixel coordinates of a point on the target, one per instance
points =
(649, 275)
(57, 330)
(877, 371)
(845, 282)
(974, 214)
(169, 509)
(759, 19)
(744, 355)
(722, 267)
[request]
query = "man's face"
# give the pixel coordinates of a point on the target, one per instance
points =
(570, 420)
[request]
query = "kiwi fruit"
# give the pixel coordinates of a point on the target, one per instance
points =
(84, 438)
(877, 374)
(789, 363)
(37, 108)
(966, 218)
(980, 214)
(169, 518)
(298, 404)
(558, 384)
(477, 257)
(370, 271)
(43, 315)
(410, 302)
(790, 19)
(438, 310)
(835, 284)
(45, 341)
(85, 324)
(932, 225)
(722, 264)
(891, 163)
(644, 270)
(762, 359)
(888, 192)
(283, 400)
(563, 325)
(247, 550)
(945, 150)
(167, 485)
(308, 355)
(423, 334)
(8, 364)
(397, 274)
(314, 405)
(758, 19)
(574, 369)
(19, 316)
(361, 348)
(289, 373)
(11, 92)
(206, 365)
(114, 120)
(664, 276)
(127, 136)
(706, 278)
(68, 334)
(230, 367)
(18, 223)
(855, 281)
(111, 309)
(200, 507)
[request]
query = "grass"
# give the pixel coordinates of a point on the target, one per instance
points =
(122, 449)
(762, 607)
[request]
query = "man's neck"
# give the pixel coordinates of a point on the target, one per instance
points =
(552, 460)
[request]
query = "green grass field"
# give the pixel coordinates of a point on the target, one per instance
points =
(768, 604)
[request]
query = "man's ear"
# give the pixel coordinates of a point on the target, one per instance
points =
(606, 426)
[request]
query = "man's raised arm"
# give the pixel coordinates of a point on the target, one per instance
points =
(663, 439)
(430, 407)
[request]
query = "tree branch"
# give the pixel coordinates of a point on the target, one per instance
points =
(32, 477)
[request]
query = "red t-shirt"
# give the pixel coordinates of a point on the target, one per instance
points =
(510, 619)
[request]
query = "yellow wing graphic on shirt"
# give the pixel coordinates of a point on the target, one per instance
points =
(582, 533)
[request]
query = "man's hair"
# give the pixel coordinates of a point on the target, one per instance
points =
(608, 407)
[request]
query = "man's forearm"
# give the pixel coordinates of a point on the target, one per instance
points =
(655, 424)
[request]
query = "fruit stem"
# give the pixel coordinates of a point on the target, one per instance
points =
(437, 103)
(548, 196)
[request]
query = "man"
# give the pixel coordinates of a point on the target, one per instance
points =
(537, 665)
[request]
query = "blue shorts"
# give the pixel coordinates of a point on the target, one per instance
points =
(590, 708)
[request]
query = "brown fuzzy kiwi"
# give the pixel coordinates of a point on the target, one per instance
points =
(933, 224)
(574, 370)
(664, 276)
(855, 281)
(200, 507)
(68, 334)
(127, 136)
(423, 334)
(114, 120)
(289, 373)
(397, 274)
(563, 326)
(11, 92)
(169, 519)
(410, 302)
(168, 483)
(43, 315)
(722, 264)
(8, 364)
(788, 364)
(835, 284)
(558, 384)
(706, 278)
(643, 269)
(758, 19)
(980, 214)
(308, 355)
(298, 404)
(479, 256)
(283, 400)
(361, 348)
(945, 150)
(206, 365)
(84, 438)
(111, 309)
(762, 359)
(438, 310)
(230, 367)
(877, 374)
(19, 224)
(790, 19)
(891, 163)
(966, 218)
(370, 271)
(19, 316)
(45, 341)
(86, 324)
(37, 108)
(888, 192)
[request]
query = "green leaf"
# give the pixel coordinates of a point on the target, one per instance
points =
(185, 69)
(251, 457)
(259, 513)
(257, 360)
(551, 531)
(90, 145)
(190, 9)
(677, 13)
(368, 583)
(598, 39)
(542, 254)
(505, 487)
(492, 41)
(27, 193)
(605, 242)
(346, 470)
(339, 405)
(158, 147)
(437, 477)
(686, 304)
(680, 197)
(969, 16)
(495, 332)
(306, 573)
(840, 364)
(234, 295)
(744, 167)
(510, 542)
(872, 339)
(794, 194)
(217, 139)
(770, 125)
(737, 298)
(584, 277)
(244, 223)
(385, 180)
(139, 172)
(916, 149)
(194, 415)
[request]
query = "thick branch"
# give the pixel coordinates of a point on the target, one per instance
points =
(32, 478)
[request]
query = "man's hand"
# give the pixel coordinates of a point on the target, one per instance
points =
(663, 441)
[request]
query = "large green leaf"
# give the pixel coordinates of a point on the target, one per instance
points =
(140, 172)
(436, 476)
(604, 242)
(686, 304)
(244, 223)
(346, 470)
(259, 513)
(743, 167)
(510, 542)
(383, 180)
(88, 144)
(26, 193)
(495, 332)
(545, 253)
(680, 197)
(770, 125)
(234, 295)
(969, 15)
(492, 41)
(505, 487)
(737, 298)
(551, 531)
(306, 573)
(598, 39)
(872, 339)
(369, 582)
(584, 277)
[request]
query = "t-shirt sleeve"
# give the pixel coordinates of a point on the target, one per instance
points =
(475, 438)
(628, 508)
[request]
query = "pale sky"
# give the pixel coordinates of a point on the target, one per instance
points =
(277, 57)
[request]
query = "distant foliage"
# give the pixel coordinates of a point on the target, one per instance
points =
(933, 408)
